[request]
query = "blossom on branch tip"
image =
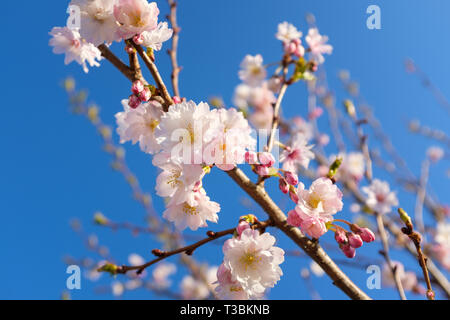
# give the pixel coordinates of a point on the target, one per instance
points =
(75, 48)
(379, 196)
(297, 154)
(318, 45)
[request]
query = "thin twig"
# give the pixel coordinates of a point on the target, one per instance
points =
(173, 51)
(189, 250)
(417, 239)
(156, 76)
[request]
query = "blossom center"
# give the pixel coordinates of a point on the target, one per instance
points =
(249, 260)
(173, 179)
(152, 124)
(189, 210)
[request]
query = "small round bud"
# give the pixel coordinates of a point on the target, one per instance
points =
(283, 185)
(251, 157)
(137, 87)
(262, 170)
(291, 178)
(138, 39)
(145, 94)
(134, 101)
(266, 159)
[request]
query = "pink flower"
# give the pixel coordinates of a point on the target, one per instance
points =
(297, 154)
(227, 288)
(317, 45)
(379, 196)
(135, 17)
(323, 198)
(252, 70)
(262, 170)
(313, 225)
(243, 225)
(145, 94)
(435, 153)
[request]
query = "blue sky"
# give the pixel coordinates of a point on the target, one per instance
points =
(53, 169)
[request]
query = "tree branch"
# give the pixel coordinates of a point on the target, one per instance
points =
(312, 248)
(173, 52)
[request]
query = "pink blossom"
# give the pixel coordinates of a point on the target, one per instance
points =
(266, 159)
(134, 101)
(318, 45)
(251, 157)
(379, 196)
(313, 225)
(135, 17)
(299, 153)
(137, 87)
(243, 225)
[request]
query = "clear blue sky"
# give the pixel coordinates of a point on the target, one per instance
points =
(52, 167)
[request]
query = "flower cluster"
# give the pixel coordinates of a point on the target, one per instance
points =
(186, 142)
(351, 240)
(315, 207)
(250, 265)
(106, 21)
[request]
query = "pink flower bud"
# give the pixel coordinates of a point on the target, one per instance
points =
(266, 159)
(354, 240)
(137, 87)
(129, 49)
(243, 225)
(251, 157)
(138, 39)
(176, 99)
(145, 94)
(324, 139)
(316, 113)
(366, 235)
(340, 236)
(293, 195)
(262, 170)
(283, 185)
(134, 101)
(348, 250)
(291, 178)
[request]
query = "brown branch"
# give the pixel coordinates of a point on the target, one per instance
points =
(417, 239)
(156, 76)
(276, 117)
(111, 57)
(385, 254)
(312, 248)
(189, 250)
(173, 51)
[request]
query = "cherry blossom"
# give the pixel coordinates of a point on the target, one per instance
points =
(193, 214)
(98, 24)
(74, 47)
(297, 154)
(135, 17)
(228, 289)
(196, 289)
(435, 153)
(182, 131)
(316, 206)
(154, 39)
(177, 181)
(253, 261)
(252, 70)
(317, 45)
(138, 125)
(379, 196)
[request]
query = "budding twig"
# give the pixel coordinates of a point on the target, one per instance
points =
(189, 250)
(173, 51)
(416, 239)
